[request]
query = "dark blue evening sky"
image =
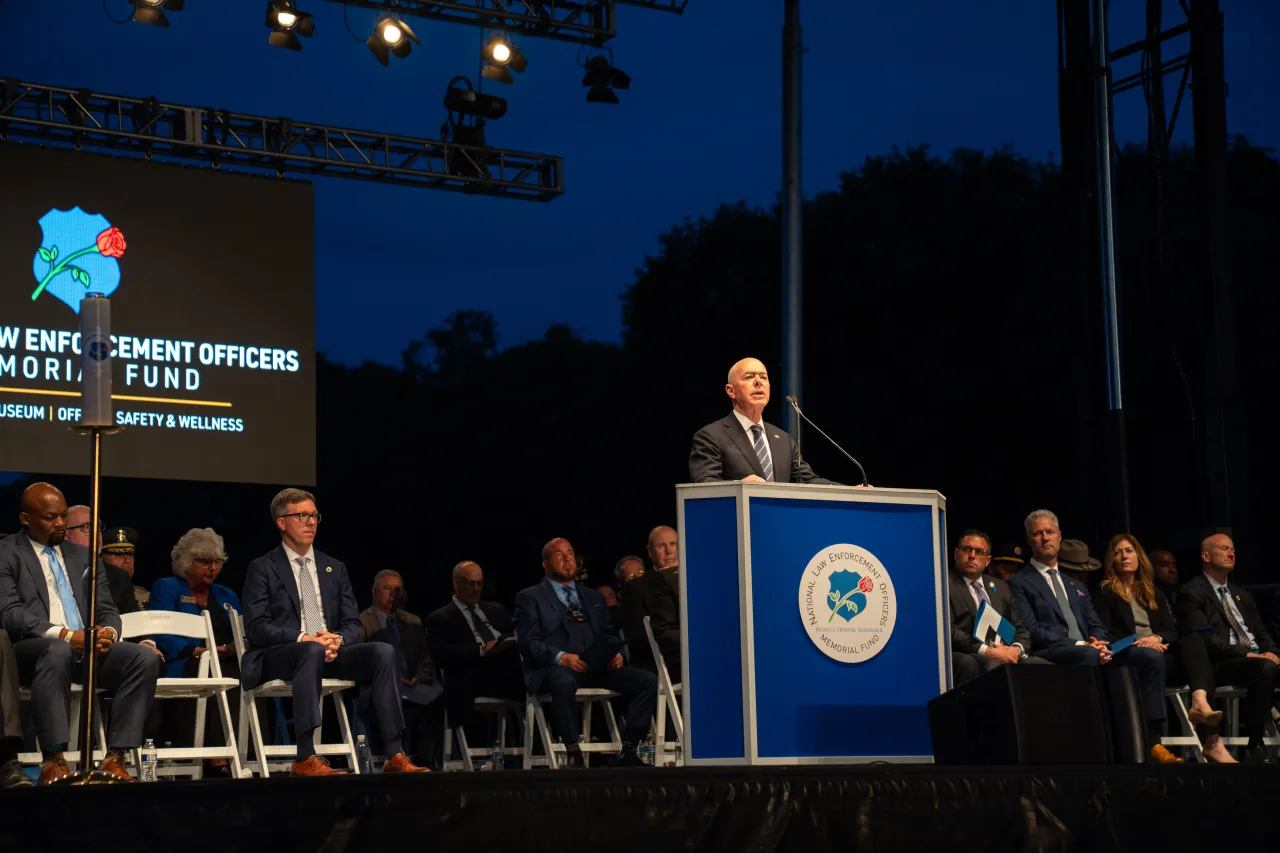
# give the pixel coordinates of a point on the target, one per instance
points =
(700, 126)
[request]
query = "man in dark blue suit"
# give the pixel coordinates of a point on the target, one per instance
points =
(1065, 629)
(302, 625)
(568, 641)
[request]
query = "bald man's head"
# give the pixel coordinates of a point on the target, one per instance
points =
(79, 524)
(44, 514)
(1218, 554)
(748, 387)
(664, 548)
(468, 582)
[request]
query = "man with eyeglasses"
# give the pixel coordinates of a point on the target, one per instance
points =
(971, 587)
(44, 606)
(473, 643)
(303, 625)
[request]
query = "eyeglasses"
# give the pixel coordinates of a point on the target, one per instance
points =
(83, 528)
(977, 552)
(202, 561)
(476, 584)
(303, 517)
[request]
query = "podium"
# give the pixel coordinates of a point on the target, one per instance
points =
(814, 622)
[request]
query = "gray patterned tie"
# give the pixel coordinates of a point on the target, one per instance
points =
(1060, 593)
(762, 451)
(312, 614)
(1241, 632)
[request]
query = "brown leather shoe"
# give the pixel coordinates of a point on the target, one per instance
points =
(399, 763)
(1160, 755)
(316, 765)
(53, 768)
(114, 764)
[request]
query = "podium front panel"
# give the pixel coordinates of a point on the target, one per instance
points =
(807, 705)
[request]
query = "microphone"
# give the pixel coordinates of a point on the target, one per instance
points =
(792, 400)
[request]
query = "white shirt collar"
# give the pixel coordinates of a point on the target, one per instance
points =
(1213, 583)
(294, 555)
(1043, 569)
(39, 549)
(745, 421)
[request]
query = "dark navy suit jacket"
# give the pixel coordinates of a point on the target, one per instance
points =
(24, 596)
(542, 628)
(1044, 620)
(273, 614)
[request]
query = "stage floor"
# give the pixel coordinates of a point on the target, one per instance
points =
(899, 807)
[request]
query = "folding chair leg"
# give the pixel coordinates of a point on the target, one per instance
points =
(660, 729)
(529, 721)
(465, 749)
(344, 725)
(228, 735)
(249, 709)
(544, 730)
(611, 719)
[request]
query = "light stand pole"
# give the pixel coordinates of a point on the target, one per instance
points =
(792, 216)
(96, 421)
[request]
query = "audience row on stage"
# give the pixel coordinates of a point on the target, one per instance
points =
(302, 625)
(1204, 634)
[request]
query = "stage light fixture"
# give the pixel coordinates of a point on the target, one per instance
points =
(391, 36)
(501, 57)
(469, 102)
(287, 23)
(152, 11)
(603, 79)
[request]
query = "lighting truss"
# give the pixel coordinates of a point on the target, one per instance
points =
(676, 6)
(582, 22)
(147, 127)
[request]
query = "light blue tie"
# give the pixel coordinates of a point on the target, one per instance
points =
(570, 598)
(69, 607)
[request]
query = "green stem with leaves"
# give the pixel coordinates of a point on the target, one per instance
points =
(61, 267)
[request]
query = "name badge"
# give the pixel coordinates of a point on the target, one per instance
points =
(188, 599)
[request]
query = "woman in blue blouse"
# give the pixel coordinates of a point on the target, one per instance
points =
(197, 560)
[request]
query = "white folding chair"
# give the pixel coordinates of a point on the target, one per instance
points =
(668, 702)
(535, 718)
(1187, 736)
(207, 684)
(505, 710)
(72, 756)
(277, 689)
(1231, 697)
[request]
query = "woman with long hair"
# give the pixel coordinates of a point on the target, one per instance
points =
(1128, 603)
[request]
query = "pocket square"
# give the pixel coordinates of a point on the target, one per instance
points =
(1080, 593)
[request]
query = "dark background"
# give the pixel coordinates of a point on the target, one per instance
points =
(210, 257)
(571, 349)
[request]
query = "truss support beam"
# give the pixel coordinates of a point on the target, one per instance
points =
(146, 127)
(583, 22)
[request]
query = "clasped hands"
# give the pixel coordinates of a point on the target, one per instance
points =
(1004, 654)
(331, 642)
(577, 664)
(103, 641)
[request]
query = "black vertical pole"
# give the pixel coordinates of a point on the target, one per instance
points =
(792, 215)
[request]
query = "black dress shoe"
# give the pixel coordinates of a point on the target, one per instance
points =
(215, 771)
(1257, 753)
(573, 757)
(628, 758)
(12, 777)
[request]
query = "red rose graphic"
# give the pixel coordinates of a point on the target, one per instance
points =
(865, 585)
(111, 242)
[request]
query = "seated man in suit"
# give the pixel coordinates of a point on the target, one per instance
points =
(473, 642)
(293, 596)
(119, 545)
(567, 641)
(656, 594)
(969, 587)
(44, 606)
(1065, 629)
(741, 446)
(1243, 653)
(387, 621)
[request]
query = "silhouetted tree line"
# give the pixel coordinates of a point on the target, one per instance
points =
(951, 342)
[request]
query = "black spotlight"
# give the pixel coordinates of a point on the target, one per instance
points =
(603, 79)
(391, 36)
(501, 57)
(152, 11)
(287, 23)
(469, 102)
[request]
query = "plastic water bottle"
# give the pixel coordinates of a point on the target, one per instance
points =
(147, 762)
(364, 758)
(496, 758)
(645, 751)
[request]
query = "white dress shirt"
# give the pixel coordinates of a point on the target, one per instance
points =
(466, 614)
(57, 615)
(751, 437)
(312, 577)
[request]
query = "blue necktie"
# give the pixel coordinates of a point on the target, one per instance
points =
(762, 451)
(570, 598)
(69, 608)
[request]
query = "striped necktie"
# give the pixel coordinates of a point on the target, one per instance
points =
(762, 451)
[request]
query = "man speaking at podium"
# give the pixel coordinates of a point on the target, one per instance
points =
(741, 446)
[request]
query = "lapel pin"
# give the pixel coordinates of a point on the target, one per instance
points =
(775, 435)
(328, 568)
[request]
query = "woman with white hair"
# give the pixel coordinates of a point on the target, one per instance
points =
(197, 560)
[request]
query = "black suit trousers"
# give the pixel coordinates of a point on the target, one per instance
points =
(371, 665)
(1258, 677)
(638, 687)
(127, 671)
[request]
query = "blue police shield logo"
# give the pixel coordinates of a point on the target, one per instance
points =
(844, 599)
